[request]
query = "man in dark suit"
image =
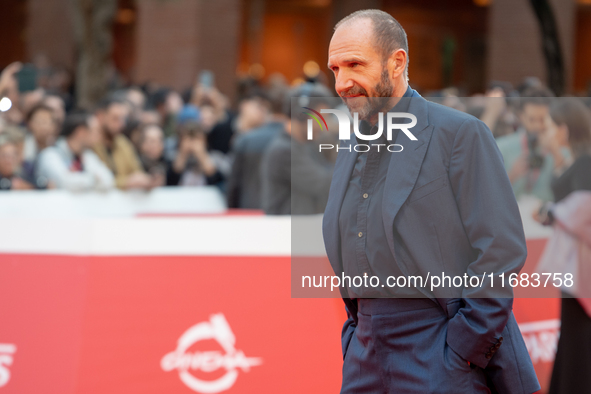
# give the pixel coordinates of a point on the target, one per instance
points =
(441, 206)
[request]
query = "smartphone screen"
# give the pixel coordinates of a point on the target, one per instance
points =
(27, 78)
(206, 78)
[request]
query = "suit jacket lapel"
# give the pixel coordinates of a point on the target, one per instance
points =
(404, 166)
(403, 171)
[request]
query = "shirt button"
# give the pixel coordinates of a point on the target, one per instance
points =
(360, 234)
(365, 195)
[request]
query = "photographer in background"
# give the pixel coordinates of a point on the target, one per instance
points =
(151, 145)
(198, 165)
(528, 165)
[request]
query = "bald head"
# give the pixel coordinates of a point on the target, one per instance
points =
(368, 57)
(387, 35)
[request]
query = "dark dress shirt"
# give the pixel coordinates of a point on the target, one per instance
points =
(364, 244)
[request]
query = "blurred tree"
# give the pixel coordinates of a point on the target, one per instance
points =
(93, 20)
(551, 45)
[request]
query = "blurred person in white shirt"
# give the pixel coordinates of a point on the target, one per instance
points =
(71, 164)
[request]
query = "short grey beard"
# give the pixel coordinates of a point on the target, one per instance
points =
(377, 104)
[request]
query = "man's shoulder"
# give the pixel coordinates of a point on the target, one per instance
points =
(441, 115)
(260, 135)
(450, 123)
(279, 146)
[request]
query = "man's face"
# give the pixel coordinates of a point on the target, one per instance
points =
(153, 143)
(8, 160)
(359, 69)
(83, 135)
(137, 98)
(533, 118)
(113, 118)
(43, 126)
(58, 107)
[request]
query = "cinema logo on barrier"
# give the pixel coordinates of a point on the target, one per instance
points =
(541, 339)
(345, 129)
(230, 359)
(7, 351)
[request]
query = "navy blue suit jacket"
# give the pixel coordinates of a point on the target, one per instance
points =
(450, 207)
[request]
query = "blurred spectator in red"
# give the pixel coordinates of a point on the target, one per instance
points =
(152, 156)
(528, 165)
(244, 183)
(71, 164)
(115, 149)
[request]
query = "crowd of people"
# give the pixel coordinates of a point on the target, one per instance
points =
(142, 137)
(134, 138)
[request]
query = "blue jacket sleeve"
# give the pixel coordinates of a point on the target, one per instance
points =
(492, 222)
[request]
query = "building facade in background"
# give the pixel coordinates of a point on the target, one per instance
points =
(461, 43)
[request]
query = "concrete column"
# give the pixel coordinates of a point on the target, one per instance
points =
(514, 40)
(50, 32)
(177, 39)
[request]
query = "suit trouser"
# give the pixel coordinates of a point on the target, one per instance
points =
(399, 346)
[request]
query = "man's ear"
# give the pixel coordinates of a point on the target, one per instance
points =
(397, 63)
